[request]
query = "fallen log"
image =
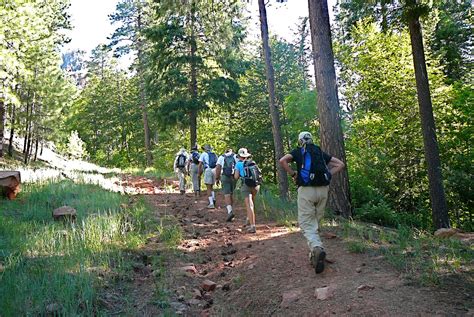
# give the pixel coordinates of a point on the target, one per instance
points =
(9, 184)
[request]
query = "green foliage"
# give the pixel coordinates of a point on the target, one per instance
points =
(76, 147)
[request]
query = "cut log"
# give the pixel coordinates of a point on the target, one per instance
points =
(9, 184)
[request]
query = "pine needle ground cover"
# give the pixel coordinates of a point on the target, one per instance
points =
(55, 267)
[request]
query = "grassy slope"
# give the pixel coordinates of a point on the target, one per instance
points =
(53, 266)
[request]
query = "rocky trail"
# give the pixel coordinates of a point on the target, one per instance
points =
(220, 270)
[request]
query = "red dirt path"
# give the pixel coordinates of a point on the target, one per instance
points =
(268, 273)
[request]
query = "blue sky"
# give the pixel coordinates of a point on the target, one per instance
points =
(92, 27)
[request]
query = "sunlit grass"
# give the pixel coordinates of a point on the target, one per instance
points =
(52, 267)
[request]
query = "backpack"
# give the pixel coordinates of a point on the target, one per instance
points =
(181, 161)
(253, 176)
(212, 160)
(229, 164)
(195, 157)
(313, 170)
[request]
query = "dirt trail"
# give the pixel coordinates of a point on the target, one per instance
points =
(268, 273)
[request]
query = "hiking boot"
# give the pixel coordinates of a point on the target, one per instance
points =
(230, 216)
(211, 206)
(252, 229)
(317, 257)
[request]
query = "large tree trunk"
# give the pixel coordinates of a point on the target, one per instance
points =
(143, 104)
(332, 140)
(438, 200)
(274, 111)
(193, 87)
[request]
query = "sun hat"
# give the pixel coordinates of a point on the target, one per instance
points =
(305, 137)
(207, 147)
(243, 152)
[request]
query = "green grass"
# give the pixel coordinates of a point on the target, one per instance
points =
(65, 265)
(416, 253)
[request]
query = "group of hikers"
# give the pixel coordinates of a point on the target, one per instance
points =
(314, 170)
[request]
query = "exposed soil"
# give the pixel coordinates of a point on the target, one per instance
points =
(268, 273)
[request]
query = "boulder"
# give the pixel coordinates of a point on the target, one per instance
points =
(64, 212)
(10, 183)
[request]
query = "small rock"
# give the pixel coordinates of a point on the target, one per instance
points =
(197, 294)
(358, 270)
(251, 266)
(64, 212)
(249, 246)
(208, 285)
(189, 269)
(365, 287)
(323, 293)
(330, 261)
(290, 297)
(215, 222)
(194, 301)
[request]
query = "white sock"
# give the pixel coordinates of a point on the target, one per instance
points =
(211, 201)
(213, 195)
(229, 209)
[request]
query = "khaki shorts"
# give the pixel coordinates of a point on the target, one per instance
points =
(228, 184)
(246, 190)
(210, 176)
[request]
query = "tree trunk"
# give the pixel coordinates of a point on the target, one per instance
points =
(438, 200)
(2, 121)
(12, 131)
(143, 105)
(332, 140)
(193, 87)
(274, 111)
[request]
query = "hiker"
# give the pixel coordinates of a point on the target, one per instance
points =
(193, 168)
(247, 170)
(225, 174)
(207, 165)
(180, 168)
(313, 175)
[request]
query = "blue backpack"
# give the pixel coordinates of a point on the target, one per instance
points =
(212, 159)
(313, 170)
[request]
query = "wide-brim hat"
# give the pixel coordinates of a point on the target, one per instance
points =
(207, 147)
(243, 152)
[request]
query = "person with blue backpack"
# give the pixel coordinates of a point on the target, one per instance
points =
(314, 169)
(207, 165)
(248, 172)
(193, 168)
(225, 174)
(180, 168)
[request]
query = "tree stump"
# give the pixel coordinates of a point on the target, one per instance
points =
(10, 184)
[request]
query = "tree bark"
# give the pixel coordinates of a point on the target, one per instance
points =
(193, 87)
(438, 199)
(143, 104)
(332, 140)
(274, 110)
(12, 130)
(2, 121)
